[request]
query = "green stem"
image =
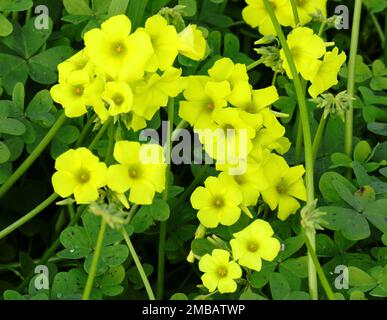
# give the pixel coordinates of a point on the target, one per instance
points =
(318, 136)
(71, 211)
(33, 156)
(299, 140)
(295, 12)
(322, 28)
(164, 224)
(100, 133)
(28, 216)
(320, 271)
(138, 264)
(181, 125)
(351, 77)
(312, 277)
(85, 130)
(94, 262)
(378, 28)
(385, 42)
(110, 147)
(253, 65)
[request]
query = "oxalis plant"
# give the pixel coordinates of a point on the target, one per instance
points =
(193, 150)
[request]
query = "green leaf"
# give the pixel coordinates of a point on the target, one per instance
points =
(378, 128)
(359, 278)
(5, 154)
(43, 67)
(135, 278)
(67, 286)
(12, 295)
(190, 7)
(5, 172)
(261, 278)
(12, 5)
(68, 134)
(325, 246)
(136, 11)
(327, 183)
(298, 295)
(118, 7)
(12, 126)
(362, 151)
(297, 266)
(352, 225)
(178, 296)
(38, 110)
(77, 7)
(376, 213)
(375, 5)
(279, 286)
(379, 80)
(345, 194)
(384, 239)
(200, 247)
(18, 96)
(250, 295)
(291, 246)
(12, 70)
(109, 282)
(362, 72)
(357, 295)
(6, 27)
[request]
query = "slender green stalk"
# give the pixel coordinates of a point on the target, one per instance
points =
(164, 224)
(181, 125)
(312, 277)
(295, 12)
(138, 264)
(28, 216)
(299, 141)
(322, 28)
(85, 130)
(320, 271)
(253, 65)
(100, 133)
(33, 156)
(378, 28)
(351, 77)
(94, 262)
(71, 211)
(110, 147)
(318, 136)
(385, 42)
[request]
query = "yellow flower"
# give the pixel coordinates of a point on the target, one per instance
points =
(165, 43)
(116, 52)
(119, 97)
(192, 43)
(230, 138)
(255, 15)
(326, 75)
(305, 9)
(219, 271)
(217, 202)
(254, 243)
(306, 48)
(253, 104)
(285, 184)
(204, 97)
(141, 170)
(236, 75)
(154, 92)
(79, 61)
(249, 183)
(79, 172)
(77, 92)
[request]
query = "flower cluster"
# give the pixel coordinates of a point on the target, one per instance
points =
(139, 174)
(256, 15)
(125, 73)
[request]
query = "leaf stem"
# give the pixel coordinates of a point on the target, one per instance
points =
(164, 224)
(253, 65)
(304, 117)
(94, 262)
(139, 266)
(320, 271)
(295, 12)
(351, 77)
(85, 130)
(27, 217)
(318, 136)
(33, 156)
(378, 28)
(100, 133)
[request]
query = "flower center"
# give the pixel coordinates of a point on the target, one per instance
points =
(296, 52)
(239, 179)
(78, 90)
(118, 99)
(281, 188)
(273, 4)
(222, 272)
(83, 176)
(252, 246)
(218, 202)
(133, 173)
(300, 3)
(210, 106)
(119, 48)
